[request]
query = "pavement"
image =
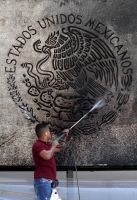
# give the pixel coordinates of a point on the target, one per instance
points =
(98, 185)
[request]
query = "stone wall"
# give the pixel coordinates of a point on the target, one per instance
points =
(59, 58)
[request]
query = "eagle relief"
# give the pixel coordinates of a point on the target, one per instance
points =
(59, 68)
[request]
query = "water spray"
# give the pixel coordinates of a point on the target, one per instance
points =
(99, 104)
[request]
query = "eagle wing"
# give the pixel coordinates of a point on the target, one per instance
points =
(82, 56)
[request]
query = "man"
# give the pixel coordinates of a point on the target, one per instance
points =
(45, 166)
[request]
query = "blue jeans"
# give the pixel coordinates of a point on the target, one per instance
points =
(42, 188)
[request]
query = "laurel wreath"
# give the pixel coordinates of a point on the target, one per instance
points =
(16, 97)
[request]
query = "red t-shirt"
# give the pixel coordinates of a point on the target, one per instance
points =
(43, 168)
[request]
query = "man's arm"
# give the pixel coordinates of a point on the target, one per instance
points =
(46, 155)
(66, 131)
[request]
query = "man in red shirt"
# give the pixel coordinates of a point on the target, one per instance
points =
(45, 165)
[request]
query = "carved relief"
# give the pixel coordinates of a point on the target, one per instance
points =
(75, 68)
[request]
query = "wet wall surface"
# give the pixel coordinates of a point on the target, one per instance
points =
(58, 60)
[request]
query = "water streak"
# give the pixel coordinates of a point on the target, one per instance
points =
(99, 104)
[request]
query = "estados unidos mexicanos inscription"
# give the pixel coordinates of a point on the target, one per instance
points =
(61, 66)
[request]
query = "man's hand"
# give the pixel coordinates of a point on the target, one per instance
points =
(55, 143)
(66, 131)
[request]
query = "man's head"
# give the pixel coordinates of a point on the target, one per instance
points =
(42, 131)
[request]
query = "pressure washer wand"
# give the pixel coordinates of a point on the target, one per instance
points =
(61, 136)
(97, 105)
(80, 119)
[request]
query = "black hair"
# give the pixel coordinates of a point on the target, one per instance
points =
(40, 128)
